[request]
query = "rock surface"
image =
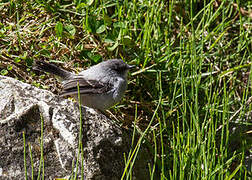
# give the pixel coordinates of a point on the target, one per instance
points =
(104, 143)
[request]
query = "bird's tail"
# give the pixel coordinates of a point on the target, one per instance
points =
(51, 68)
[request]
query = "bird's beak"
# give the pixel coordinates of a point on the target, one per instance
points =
(131, 66)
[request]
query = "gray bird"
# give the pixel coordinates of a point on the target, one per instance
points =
(101, 86)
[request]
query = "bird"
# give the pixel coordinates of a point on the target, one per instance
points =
(101, 86)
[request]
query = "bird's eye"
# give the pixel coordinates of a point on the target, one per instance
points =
(120, 68)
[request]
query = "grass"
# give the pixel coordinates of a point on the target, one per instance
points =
(190, 99)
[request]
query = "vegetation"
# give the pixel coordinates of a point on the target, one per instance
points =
(190, 98)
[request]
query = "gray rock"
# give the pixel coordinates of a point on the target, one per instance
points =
(104, 143)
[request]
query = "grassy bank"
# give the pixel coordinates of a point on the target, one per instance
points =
(190, 98)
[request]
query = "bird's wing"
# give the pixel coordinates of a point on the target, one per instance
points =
(85, 86)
